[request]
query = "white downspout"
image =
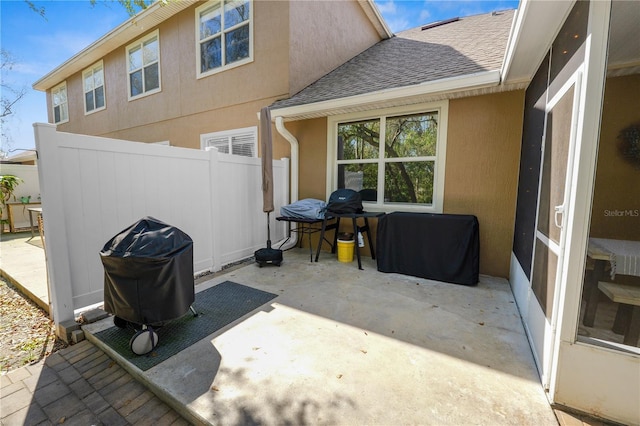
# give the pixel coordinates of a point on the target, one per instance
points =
(294, 173)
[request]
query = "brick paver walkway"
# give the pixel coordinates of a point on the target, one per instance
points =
(79, 385)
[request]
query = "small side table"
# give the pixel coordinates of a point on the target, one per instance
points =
(354, 218)
(303, 226)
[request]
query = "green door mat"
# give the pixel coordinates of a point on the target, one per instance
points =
(217, 307)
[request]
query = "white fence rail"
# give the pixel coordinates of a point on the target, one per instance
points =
(92, 188)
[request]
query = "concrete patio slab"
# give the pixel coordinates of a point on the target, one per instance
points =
(344, 346)
(23, 264)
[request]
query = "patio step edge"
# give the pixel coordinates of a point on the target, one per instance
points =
(182, 409)
(25, 291)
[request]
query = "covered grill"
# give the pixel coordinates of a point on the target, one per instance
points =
(148, 275)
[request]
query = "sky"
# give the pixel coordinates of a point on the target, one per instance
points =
(39, 44)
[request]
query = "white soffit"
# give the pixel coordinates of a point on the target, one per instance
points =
(536, 25)
(135, 27)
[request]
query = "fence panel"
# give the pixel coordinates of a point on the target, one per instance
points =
(243, 226)
(92, 188)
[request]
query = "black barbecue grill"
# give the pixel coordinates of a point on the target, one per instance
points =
(148, 279)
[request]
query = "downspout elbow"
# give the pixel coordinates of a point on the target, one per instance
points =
(294, 156)
(293, 197)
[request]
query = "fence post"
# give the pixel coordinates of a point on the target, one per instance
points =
(215, 180)
(53, 215)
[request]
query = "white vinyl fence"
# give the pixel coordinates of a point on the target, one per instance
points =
(29, 186)
(92, 188)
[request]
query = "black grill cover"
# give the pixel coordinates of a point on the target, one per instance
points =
(344, 200)
(148, 273)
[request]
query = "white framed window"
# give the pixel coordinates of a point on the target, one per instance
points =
(394, 157)
(224, 35)
(143, 66)
(93, 85)
(59, 103)
(237, 142)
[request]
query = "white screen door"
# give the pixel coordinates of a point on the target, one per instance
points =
(553, 196)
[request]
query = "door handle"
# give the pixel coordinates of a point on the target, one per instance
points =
(559, 210)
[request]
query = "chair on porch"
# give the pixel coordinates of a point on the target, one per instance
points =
(41, 228)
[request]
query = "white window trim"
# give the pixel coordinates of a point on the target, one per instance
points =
(230, 133)
(441, 107)
(136, 43)
(104, 88)
(222, 68)
(53, 106)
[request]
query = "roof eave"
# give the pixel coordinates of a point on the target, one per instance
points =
(134, 27)
(29, 155)
(535, 26)
(372, 12)
(334, 106)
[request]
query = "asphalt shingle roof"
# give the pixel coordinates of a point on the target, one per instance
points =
(469, 45)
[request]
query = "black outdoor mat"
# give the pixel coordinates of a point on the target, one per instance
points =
(217, 307)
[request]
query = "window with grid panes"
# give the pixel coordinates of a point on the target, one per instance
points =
(223, 34)
(394, 158)
(93, 83)
(143, 65)
(59, 103)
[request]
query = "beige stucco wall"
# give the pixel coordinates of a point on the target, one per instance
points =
(483, 154)
(187, 106)
(285, 59)
(483, 136)
(616, 199)
(312, 138)
(483, 157)
(324, 35)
